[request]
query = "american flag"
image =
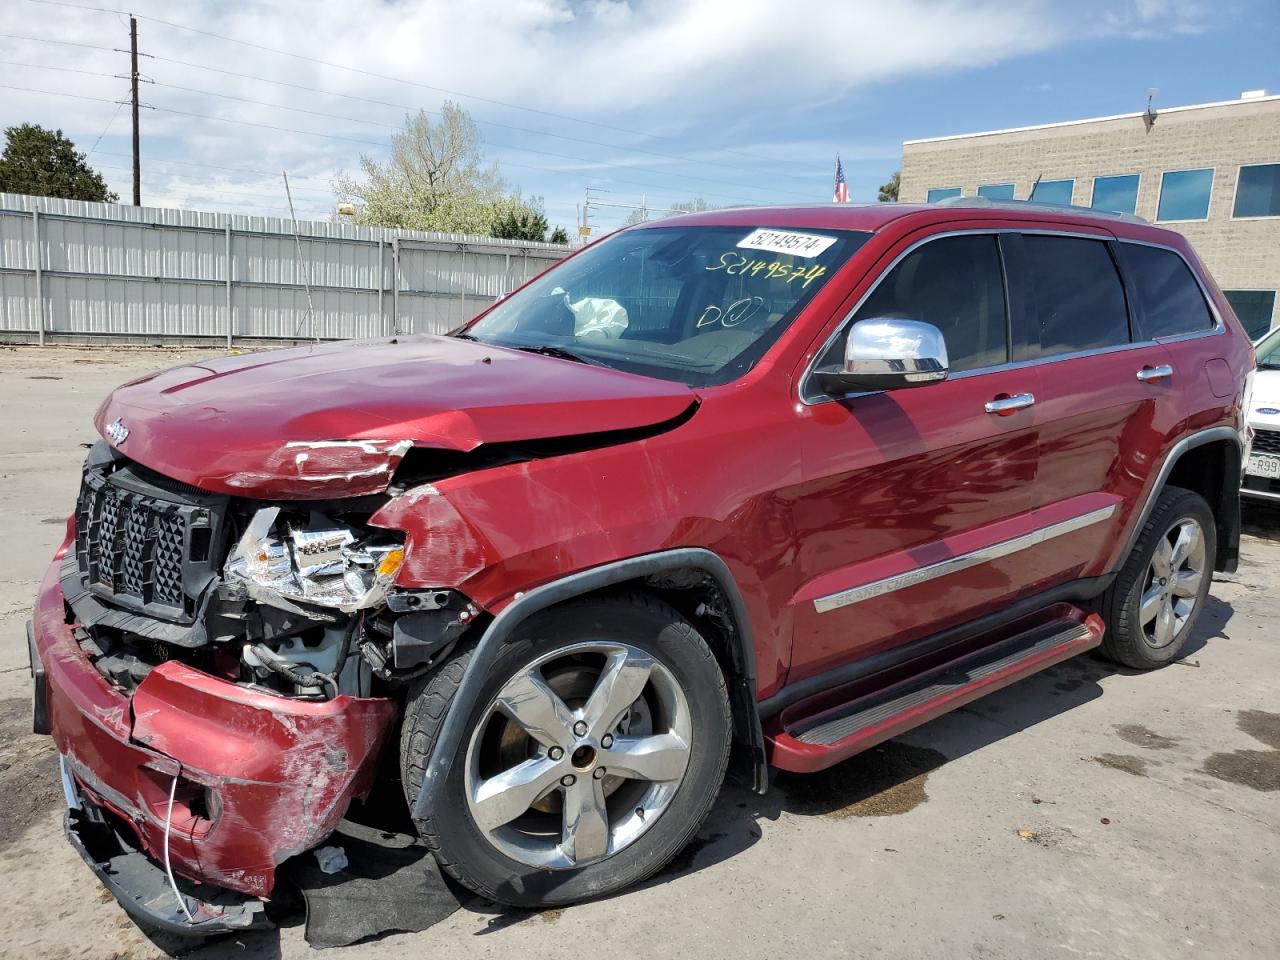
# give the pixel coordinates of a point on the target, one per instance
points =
(842, 189)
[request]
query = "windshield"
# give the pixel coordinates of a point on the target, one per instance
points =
(699, 305)
(1268, 350)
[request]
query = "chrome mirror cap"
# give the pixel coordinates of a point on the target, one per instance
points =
(885, 353)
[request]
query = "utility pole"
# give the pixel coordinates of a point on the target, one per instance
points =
(133, 81)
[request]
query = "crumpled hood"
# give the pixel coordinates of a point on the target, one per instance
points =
(334, 419)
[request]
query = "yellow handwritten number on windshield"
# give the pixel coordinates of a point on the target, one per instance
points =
(735, 264)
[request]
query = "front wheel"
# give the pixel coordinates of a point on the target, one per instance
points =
(1154, 604)
(592, 756)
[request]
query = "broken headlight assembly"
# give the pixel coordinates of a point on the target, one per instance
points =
(321, 563)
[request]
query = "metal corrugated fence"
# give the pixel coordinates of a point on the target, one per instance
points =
(74, 269)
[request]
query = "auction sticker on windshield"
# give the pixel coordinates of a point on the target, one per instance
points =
(781, 241)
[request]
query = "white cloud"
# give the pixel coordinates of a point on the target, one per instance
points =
(694, 70)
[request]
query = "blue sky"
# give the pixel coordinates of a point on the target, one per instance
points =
(744, 101)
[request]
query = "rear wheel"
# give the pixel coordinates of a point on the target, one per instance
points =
(592, 756)
(1153, 606)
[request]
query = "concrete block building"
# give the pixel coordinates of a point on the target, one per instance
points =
(1210, 171)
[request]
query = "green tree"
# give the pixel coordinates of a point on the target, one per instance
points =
(889, 191)
(515, 219)
(44, 163)
(559, 235)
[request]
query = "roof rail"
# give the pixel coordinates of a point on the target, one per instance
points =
(988, 203)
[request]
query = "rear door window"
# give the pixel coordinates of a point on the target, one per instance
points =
(956, 284)
(1167, 299)
(1077, 294)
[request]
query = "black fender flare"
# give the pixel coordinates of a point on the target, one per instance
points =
(524, 605)
(1229, 548)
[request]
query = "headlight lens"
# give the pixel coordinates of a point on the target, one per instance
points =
(329, 566)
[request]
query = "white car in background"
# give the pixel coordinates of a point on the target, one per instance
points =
(1262, 472)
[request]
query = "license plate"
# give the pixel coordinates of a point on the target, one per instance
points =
(1264, 467)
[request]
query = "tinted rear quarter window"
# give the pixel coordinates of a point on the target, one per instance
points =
(1167, 299)
(1077, 294)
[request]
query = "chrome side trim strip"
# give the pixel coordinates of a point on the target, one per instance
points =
(963, 561)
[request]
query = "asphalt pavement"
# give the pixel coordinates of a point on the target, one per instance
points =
(1087, 811)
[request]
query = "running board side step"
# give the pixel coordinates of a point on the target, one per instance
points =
(804, 741)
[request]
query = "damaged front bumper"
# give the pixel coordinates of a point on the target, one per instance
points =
(254, 777)
(142, 886)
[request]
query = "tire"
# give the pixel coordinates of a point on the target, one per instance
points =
(1133, 637)
(536, 860)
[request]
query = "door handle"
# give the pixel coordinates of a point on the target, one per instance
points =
(1151, 374)
(1005, 405)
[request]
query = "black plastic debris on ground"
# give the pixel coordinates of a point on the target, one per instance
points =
(390, 884)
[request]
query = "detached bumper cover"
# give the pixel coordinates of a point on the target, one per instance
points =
(141, 885)
(260, 777)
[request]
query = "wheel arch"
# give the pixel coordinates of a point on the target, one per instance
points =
(669, 571)
(1209, 463)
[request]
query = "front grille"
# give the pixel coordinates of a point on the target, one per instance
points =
(1266, 441)
(145, 546)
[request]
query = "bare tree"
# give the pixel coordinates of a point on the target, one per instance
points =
(435, 179)
(696, 205)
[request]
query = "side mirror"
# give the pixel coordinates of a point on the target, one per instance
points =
(884, 354)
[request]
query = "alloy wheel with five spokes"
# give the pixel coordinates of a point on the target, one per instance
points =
(578, 754)
(1173, 581)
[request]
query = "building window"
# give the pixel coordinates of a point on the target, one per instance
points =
(1258, 191)
(996, 191)
(1184, 194)
(942, 193)
(1255, 309)
(1117, 194)
(1053, 191)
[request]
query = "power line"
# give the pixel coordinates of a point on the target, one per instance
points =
(41, 66)
(591, 160)
(269, 126)
(414, 109)
(330, 136)
(277, 106)
(217, 189)
(215, 166)
(326, 192)
(58, 93)
(65, 43)
(119, 105)
(376, 143)
(503, 146)
(382, 76)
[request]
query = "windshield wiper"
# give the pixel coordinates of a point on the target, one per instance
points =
(547, 350)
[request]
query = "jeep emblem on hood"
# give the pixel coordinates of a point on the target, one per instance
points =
(117, 432)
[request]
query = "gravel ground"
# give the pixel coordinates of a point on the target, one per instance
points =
(1086, 811)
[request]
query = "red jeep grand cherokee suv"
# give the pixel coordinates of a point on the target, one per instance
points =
(792, 478)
